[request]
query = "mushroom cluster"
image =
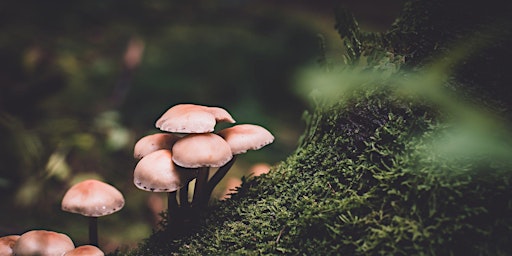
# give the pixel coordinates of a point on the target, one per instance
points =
(44, 243)
(188, 148)
(91, 198)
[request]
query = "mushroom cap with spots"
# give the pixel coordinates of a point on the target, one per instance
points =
(92, 198)
(201, 150)
(153, 142)
(191, 118)
(88, 250)
(245, 137)
(43, 243)
(156, 172)
(7, 243)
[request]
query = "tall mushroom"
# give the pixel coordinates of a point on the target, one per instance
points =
(92, 198)
(202, 150)
(240, 138)
(43, 243)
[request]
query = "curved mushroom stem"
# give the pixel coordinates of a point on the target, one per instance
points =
(200, 198)
(217, 177)
(93, 231)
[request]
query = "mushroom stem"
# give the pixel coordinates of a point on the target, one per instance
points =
(172, 208)
(200, 197)
(217, 177)
(183, 192)
(93, 231)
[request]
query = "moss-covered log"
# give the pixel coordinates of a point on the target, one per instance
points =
(379, 171)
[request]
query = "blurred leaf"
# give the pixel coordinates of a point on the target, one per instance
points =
(57, 166)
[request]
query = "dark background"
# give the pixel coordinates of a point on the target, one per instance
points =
(72, 104)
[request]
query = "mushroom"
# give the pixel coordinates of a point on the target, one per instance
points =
(203, 150)
(191, 118)
(88, 250)
(156, 172)
(43, 243)
(7, 243)
(240, 138)
(258, 169)
(92, 198)
(153, 142)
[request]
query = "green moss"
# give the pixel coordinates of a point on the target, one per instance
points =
(355, 189)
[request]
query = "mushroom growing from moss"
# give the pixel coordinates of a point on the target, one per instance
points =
(92, 198)
(43, 243)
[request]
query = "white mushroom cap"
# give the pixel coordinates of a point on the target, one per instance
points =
(201, 150)
(85, 250)
(43, 243)
(156, 172)
(92, 198)
(7, 243)
(153, 142)
(245, 137)
(191, 118)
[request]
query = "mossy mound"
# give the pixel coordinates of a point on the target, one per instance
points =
(366, 184)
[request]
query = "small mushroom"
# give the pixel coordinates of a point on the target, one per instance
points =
(258, 169)
(245, 137)
(153, 142)
(85, 250)
(156, 172)
(92, 198)
(43, 243)
(7, 243)
(191, 118)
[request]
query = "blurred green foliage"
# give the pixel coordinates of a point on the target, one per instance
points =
(74, 97)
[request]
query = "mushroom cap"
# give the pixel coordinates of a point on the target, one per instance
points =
(7, 243)
(191, 118)
(92, 198)
(245, 137)
(89, 250)
(153, 142)
(156, 172)
(201, 150)
(220, 114)
(43, 243)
